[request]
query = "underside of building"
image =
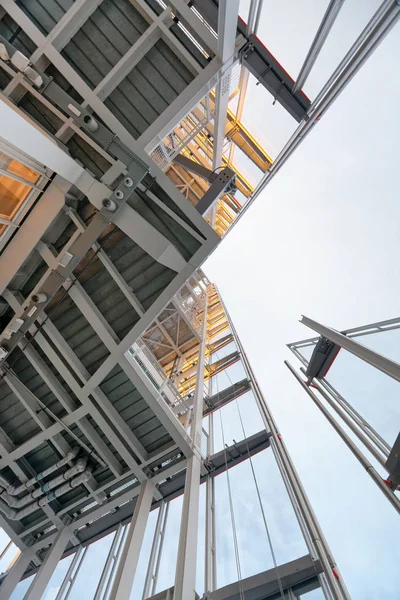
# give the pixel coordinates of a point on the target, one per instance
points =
(120, 174)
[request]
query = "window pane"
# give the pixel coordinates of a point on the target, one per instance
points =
(90, 572)
(58, 577)
(21, 588)
(13, 193)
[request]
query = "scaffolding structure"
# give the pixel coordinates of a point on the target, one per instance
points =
(182, 372)
(325, 350)
(112, 338)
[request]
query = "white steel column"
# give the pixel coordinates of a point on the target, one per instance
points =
(185, 577)
(16, 573)
(122, 586)
(53, 557)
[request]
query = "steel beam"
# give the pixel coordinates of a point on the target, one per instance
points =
(378, 327)
(122, 586)
(210, 558)
(15, 575)
(194, 25)
(149, 238)
(267, 584)
(67, 27)
(20, 131)
(157, 404)
(386, 365)
(180, 107)
(222, 183)
(129, 60)
(88, 406)
(53, 557)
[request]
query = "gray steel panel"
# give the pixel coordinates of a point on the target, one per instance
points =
(134, 410)
(172, 230)
(45, 14)
(149, 89)
(83, 152)
(44, 117)
(9, 29)
(4, 79)
(103, 39)
(42, 457)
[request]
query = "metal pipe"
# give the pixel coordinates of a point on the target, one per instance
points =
(16, 515)
(14, 490)
(79, 467)
(355, 450)
(258, 17)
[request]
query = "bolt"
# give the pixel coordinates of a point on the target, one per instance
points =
(128, 182)
(109, 204)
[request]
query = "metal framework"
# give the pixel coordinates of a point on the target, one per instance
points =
(110, 334)
(387, 456)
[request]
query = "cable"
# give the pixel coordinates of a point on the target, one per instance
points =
(235, 542)
(276, 567)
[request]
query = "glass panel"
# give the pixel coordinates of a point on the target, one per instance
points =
(13, 193)
(21, 588)
(170, 550)
(287, 540)
(372, 393)
(228, 376)
(57, 579)
(314, 595)
(138, 584)
(232, 427)
(201, 541)
(90, 571)
(9, 556)
(113, 568)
